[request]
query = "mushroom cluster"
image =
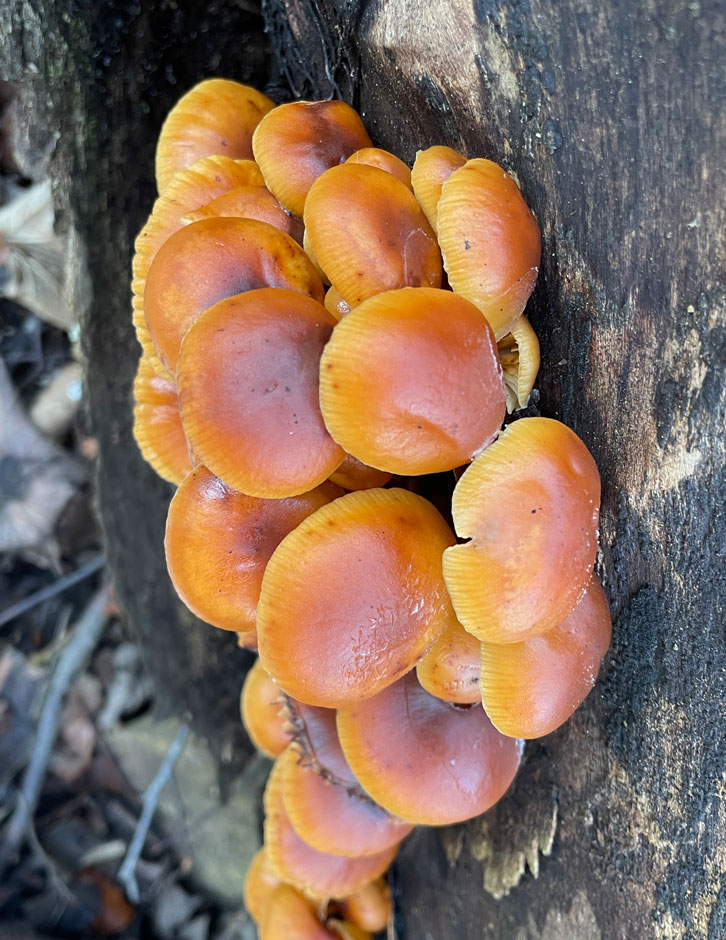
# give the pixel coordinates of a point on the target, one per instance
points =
(323, 330)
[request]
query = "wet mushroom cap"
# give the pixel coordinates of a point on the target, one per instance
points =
(519, 356)
(260, 881)
(352, 474)
(531, 688)
(335, 303)
(388, 162)
(213, 259)
(218, 542)
(262, 708)
(254, 418)
(216, 117)
(410, 382)
(431, 169)
(157, 425)
(426, 761)
(289, 915)
(354, 596)
(529, 506)
(319, 874)
(371, 908)
(249, 202)
(299, 141)
(450, 670)
(490, 241)
(369, 234)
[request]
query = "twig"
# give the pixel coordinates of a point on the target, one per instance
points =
(68, 580)
(86, 635)
(127, 872)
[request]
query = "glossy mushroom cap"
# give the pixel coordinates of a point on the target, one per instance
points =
(319, 874)
(213, 259)
(289, 915)
(298, 141)
(157, 425)
(262, 708)
(529, 506)
(248, 378)
(335, 303)
(410, 382)
(218, 542)
(490, 241)
(431, 169)
(533, 687)
(450, 670)
(369, 234)
(217, 117)
(388, 162)
(322, 798)
(260, 881)
(519, 356)
(371, 908)
(427, 761)
(187, 191)
(249, 202)
(354, 596)
(352, 474)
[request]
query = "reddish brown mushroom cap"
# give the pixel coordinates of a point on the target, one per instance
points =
(371, 908)
(388, 162)
(352, 474)
(218, 542)
(336, 303)
(216, 117)
(157, 425)
(289, 915)
(427, 761)
(369, 234)
(262, 707)
(410, 382)
(319, 874)
(213, 259)
(533, 687)
(431, 169)
(249, 392)
(450, 670)
(249, 202)
(298, 141)
(490, 241)
(529, 505)
(354, 596)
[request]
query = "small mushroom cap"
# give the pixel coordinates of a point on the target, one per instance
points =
(216, 117)
(533, 687)
(388, 162)
(410, 382)
(427, 761)
(157, 425)
(218, 542)
(354, 475)
(289, 915)
(529, 505)
(354, 596)
(325, 802)
(431, 169)
(319, 874)
(188, 190)
(450, 670)
(254, 418)
(369, 234)
(249, 202)
(519, 356)
(371, 908)
(315, 263)
(298, 141)
(490, 241)
(213, 259)
(336, 303)
(260, 881)
(262, 706)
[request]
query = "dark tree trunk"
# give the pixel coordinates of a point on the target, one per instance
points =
(611, 116)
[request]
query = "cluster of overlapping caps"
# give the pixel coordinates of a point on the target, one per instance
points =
(266, 398)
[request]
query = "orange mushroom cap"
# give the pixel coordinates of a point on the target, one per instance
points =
(388, 162)
(323, 800)
(216, 117)
(533, 687)
(424, 760)
(319, 874)
(248, 378)
(335, 303)
(371, 908)
(260, 881)
(410, 382)
(354, 475)
(450, 670)
(490, 241)
(369, 234)
(354, 596)
(157, 425)
(213, 259)
(314, 261)
(262, 707)
(249, 202)
(431, 169)
(529, 505)
(187, 191)
(298, 141)
(289, 915)
(519, 356)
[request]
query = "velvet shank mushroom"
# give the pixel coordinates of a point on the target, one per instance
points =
(451, 669)
(157, 424)
(262, 707)
(519, 356)
(431, 168)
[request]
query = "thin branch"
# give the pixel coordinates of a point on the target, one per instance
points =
(44, 594)
(127, 872)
